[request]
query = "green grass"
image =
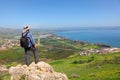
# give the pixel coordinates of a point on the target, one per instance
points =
(98, 69)
(11, 56)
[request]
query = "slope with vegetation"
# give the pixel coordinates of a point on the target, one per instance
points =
(92, 67)
(64, 56)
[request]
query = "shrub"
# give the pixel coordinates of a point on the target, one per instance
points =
(91, 59)
(75, 62)
(79, 61)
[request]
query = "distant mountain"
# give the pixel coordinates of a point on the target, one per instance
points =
(11, 33)
(8, 30)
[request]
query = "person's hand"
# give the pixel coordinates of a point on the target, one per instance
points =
(34, 45)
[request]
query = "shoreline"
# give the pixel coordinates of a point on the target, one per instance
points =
(91, 37)
(84, 42)
(104, 49)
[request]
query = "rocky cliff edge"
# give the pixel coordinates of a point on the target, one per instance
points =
(39, 71)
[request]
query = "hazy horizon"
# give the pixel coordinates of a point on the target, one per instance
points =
(64, 28)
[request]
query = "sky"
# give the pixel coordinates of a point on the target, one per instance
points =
(59, 13)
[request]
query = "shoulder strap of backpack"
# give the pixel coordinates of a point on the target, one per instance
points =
(25, 34)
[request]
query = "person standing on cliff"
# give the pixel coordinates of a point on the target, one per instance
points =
(28, 43)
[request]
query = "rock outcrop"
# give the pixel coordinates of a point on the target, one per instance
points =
(39, 71)
(3, 69)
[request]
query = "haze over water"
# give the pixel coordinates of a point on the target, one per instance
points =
(104, 36)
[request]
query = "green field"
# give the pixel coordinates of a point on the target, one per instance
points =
(93, 67)
(64, 56)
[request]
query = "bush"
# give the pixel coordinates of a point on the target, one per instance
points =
(75, 62)
(79, 61)
(91, 59)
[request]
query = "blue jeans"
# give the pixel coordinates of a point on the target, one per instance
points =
(27, 55)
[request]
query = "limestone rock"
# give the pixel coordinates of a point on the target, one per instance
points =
(39, 71)
(3, 69)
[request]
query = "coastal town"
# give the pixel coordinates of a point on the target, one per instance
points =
(8, 43)
(99, 51)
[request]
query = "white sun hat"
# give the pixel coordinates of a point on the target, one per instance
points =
(26, 28)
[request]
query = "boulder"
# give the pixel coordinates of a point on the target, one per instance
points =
(3, 69)
(39, 71)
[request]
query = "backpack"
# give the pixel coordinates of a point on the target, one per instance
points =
(24, 41)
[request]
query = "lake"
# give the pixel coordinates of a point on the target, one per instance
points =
(109, 37)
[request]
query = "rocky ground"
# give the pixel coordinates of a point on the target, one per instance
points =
(39, 71)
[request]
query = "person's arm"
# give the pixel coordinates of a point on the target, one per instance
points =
(32, 40)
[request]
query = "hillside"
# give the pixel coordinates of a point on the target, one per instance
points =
(65, 56)
(92, 67)
(50, 48)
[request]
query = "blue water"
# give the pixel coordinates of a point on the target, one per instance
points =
(109, 37)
